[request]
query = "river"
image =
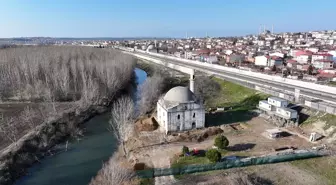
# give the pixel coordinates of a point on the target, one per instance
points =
(83, 159)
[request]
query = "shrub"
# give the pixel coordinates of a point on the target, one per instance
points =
(185, 150)
(221, 142)
(213, 155)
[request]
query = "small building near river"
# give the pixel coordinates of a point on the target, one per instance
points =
(180, 110)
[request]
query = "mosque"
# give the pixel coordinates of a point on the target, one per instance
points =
(180, 110)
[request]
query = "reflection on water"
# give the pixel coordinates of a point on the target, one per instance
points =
(83, 159)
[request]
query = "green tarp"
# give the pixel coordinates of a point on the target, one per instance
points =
(151, 173)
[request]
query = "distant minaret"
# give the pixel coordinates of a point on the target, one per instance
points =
(272, 29)
(186, 35)
(206, 34)
(259, 29)
(192, 81)
(264, 28)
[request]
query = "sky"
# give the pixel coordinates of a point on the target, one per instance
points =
(159, 18)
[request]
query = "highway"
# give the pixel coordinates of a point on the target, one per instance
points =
(285, 88)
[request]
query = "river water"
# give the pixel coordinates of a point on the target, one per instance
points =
(83, 159)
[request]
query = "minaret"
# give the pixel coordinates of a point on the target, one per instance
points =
(272, 29)
(192, 81)
(259, 30)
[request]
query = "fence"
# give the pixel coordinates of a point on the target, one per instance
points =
(151, 173)
(321, 106)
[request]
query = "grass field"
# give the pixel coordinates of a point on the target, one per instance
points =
(237, 101)
(236, 96)
(147, 181)
(188, 160)
(332, 83)
(324, 167)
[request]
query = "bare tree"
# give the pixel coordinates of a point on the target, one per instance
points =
(9, 128)
(121, 121)
(113, 173)
(63, 73)
(30, 117)
(205, 87)
(150, 92)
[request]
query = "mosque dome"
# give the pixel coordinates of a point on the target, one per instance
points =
(179, 94)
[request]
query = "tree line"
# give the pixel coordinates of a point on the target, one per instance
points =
(50, 74)
(63, 73)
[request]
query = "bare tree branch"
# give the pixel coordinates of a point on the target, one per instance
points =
(122, 119)
(150, 92)
(63, 73)
(9, 128)
(113, 173)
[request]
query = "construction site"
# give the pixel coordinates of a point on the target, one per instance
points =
(280, 111)
(272, 133)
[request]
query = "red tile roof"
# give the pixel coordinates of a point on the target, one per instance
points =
(323, 54)
(305, 67)
(291, 61)
(330, 61)
(326, 75)
(203, 51)
(299, 53)
(274, 57)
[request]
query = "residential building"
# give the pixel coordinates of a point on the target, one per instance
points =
(235, 58)
(277, 54)
(291, 63)
(211, 59)
(322, 56)
(303, 57)
(323, 64)
(277, 61)
(261, 61)
(268, 61)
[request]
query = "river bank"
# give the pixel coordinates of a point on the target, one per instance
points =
(32, 147)
(119, 168)
(37, 144)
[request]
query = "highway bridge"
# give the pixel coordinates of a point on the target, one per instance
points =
(295, 90)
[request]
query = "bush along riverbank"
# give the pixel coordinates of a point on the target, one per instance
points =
(16, 158)
(120, 167)
(89, 79)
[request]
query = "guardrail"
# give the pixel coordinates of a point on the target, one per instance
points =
(291, 82)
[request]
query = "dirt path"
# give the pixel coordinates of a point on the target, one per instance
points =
(159, 157)
(164, 180)
(286, 174)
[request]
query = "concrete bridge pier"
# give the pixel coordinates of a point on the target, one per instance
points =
(297, 95)
(192, 81)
